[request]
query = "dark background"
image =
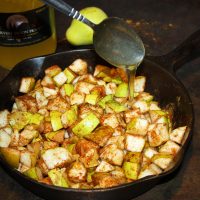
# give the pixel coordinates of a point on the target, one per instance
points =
(163, 25)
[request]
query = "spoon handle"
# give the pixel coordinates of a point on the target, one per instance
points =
(65, 8)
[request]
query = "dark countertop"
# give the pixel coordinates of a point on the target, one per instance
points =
(163, 25)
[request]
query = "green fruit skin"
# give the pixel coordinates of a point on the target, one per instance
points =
(81, 34)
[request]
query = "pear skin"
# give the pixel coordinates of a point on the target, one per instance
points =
(81, 34)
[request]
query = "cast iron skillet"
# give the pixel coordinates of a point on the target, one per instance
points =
(161, 82)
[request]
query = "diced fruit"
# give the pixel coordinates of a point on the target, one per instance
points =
(56, 157)
(104, 167)
(170, 147)
(77, 98)
(104, 100)
(18, 120)
(5, 139)
(70, 75)
(26, 136)
(162, 159)
(91, 98)
(150, 152)
(88, 152)
(34, 173)
(138, 126)
(177, 134)
(134, 143)
(69, 117)
(158, 135)
(79, 66)
(110, 88)
(131, 170)
(56, 136)
(122, 90)
(60, 79)
(3, 118)
(83, 87)
(77, 172)
(28, 158)
(69, 89)
(139, 83)
(142, 105)
(134, 157)
(156, 114)
(50, 91)
(118, 140)
(86, 125)
(11, 156)
(146, 172)
(53, 70)
(110, 120)
(27, 84)
(36, 119)
(56, 120)
(101, 135)
(57, 177)
(112, 154)
(116, 107)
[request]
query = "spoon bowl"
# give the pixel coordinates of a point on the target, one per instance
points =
(117, 43)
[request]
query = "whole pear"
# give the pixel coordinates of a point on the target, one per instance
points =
(81, 34)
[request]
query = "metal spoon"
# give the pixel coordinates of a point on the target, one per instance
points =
(114, 40)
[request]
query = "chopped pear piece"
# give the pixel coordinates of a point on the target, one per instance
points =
(4, 118)
(27, 84)
(146, 172)
(26, 136)
(156, 114)
(139, 83)
(110, 119)
(28, 158)
(60, 79)
(134, 157)
(56, 136)
(69, 89)
(122, 90)
(36, 119)
(142, 105)
(57, 177)
(134, 143)
(116, 107)
(48, 92)
(77, 98)
(18, 120)
(77, 172)
(112, 154)
(104, 100)
(101, 135)
(56, 157)
(86, 125)
(83, 87)
(162, 159)
(70, 75)
(91, 98)
(104, 167)
(34, 173)
(138, 126)
(131, 170)
(5, 139)
(79, 66)
(170, 147)
(53, 70)
(150, 152)
(69, 117)
(56, 120)
(88, 153)
(11, 156)
(177, 134)
(158, 134)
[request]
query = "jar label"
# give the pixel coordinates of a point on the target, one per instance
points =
(25, 28)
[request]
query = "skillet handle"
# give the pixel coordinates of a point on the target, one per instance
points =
(185, 52)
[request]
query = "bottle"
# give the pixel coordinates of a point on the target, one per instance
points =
(27, 29)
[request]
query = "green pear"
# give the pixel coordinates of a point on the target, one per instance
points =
(81, 34)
